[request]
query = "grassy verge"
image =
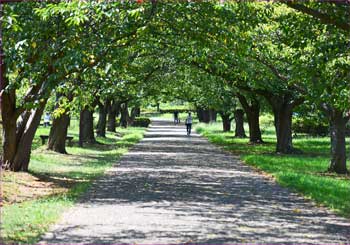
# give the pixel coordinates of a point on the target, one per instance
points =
(305, 173)
(35, 200)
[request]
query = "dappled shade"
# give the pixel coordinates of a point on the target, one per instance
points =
(172, 188)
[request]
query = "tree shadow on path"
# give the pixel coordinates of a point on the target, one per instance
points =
(189, 191)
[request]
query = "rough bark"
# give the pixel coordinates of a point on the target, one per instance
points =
(124, 115)
(239, 120)
(252, 111)
(102, 119)
(283, 126)
(58, 133)
(338, 144)
(59, 129)
(86, 127)
(226, 122)
(21, 157)
(9, 118)
(18, 137)
(282, 106)
(9, 143)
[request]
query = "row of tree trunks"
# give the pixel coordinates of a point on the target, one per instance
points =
(206, 115)
(252, 111)
(239, 120)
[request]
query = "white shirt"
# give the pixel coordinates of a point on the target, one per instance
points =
(47, 118)
(189, 120)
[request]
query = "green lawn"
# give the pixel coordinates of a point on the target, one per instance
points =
(305, 173)
(71, 175)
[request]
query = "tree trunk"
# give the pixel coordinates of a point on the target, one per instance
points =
(135, 112)
(9, 118)
(18, 137)
(199, 114)
(102, 120)
(282, 107)
(113, 110)
(58, 133)
(203, 115)
(212, 115)
(86, 127)
(226, 122)
(254, 127)
(9, 143)
(22, 158)
(283, 126)
(338, 145)
(206, 116)
(252, 111)
(138, 111)
(59, 129)
(124, 115)
(239, 120)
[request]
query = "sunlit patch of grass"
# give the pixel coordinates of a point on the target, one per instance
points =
(72, 174)
(304, 173)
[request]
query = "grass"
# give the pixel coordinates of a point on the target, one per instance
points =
(305, 173)
(55, 182)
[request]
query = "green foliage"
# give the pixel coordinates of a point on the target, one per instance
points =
(141, 122)
(310, 126)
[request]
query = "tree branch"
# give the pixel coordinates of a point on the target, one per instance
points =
(324, 18)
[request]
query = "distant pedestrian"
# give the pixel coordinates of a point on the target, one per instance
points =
(47, 119)
(176, 117)
(188, 123)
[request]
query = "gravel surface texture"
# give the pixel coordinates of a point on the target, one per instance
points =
(172, 188)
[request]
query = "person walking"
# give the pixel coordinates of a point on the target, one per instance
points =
(47, 119)
(188, 123)
(176, 117)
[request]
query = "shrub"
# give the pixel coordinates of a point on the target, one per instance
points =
(310, 126)
(141, 122)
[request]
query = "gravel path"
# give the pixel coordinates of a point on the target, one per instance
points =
(171, 188)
